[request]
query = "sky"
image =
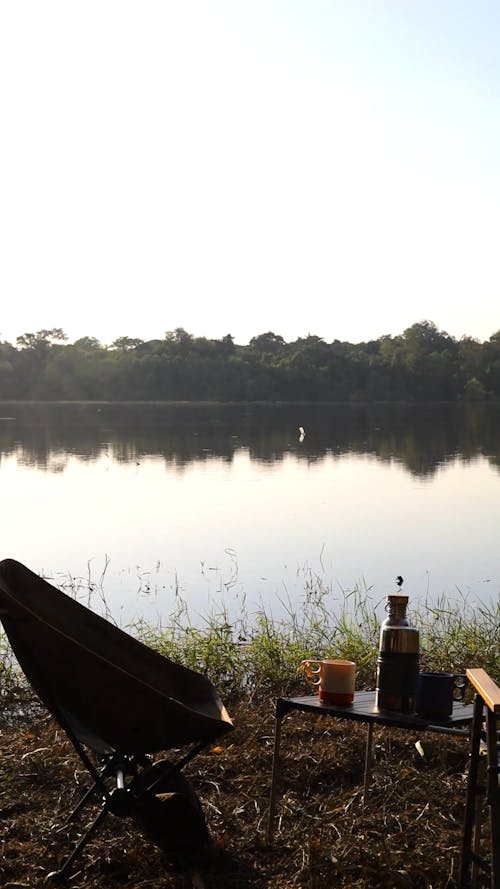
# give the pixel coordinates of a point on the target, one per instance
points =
(326, 167)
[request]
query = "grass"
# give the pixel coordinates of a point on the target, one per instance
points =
(257, 655)
(407, 834)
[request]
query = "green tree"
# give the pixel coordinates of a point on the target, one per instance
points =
(42, 339)
(126, 343)
(88, 344)
(474, 390)
(267, 343)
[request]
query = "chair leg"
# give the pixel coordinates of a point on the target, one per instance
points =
(79, 806)
(476, 834)
(62, 874)
(110, 768)
(466, 857)
(493, 793)
(471, 861)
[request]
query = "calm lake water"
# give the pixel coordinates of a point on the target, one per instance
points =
(215, 504)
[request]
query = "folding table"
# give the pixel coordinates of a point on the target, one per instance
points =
(363, 709)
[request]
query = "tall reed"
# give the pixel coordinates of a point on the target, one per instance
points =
(256, 654)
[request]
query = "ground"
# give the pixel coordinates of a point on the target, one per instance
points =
(406, 834)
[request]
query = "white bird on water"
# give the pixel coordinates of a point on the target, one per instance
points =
(302, 433)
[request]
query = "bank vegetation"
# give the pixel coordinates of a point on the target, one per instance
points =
(421, 364)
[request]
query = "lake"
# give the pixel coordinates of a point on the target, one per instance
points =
(224, 506)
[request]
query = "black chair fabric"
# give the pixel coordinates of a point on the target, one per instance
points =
(113, 692)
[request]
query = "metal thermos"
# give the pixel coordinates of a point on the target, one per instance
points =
(397, 662)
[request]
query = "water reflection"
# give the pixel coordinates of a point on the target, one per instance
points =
(420, 438)
(171, 491)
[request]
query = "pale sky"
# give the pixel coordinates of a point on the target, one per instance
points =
(313, 166)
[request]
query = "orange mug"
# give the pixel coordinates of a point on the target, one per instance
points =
(334, 679)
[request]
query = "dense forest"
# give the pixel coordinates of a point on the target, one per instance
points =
(421, 364)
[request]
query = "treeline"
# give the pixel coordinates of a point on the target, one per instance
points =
(421, 364)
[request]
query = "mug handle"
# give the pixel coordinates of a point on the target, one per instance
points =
(459, 686)
(306, 667)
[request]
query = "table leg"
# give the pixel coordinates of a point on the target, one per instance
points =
(368, 760)
(274, 778)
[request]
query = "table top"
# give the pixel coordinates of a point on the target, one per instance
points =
(363, 709)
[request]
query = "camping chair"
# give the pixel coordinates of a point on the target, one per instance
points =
(485, 750)
(119, 703)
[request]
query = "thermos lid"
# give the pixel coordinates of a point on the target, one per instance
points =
(396, 599)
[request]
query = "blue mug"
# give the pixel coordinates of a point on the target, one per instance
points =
(436, 693)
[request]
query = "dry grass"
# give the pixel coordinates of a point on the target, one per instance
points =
(407, 835)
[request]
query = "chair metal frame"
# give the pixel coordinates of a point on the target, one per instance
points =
(143, 705)
(121, 800)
